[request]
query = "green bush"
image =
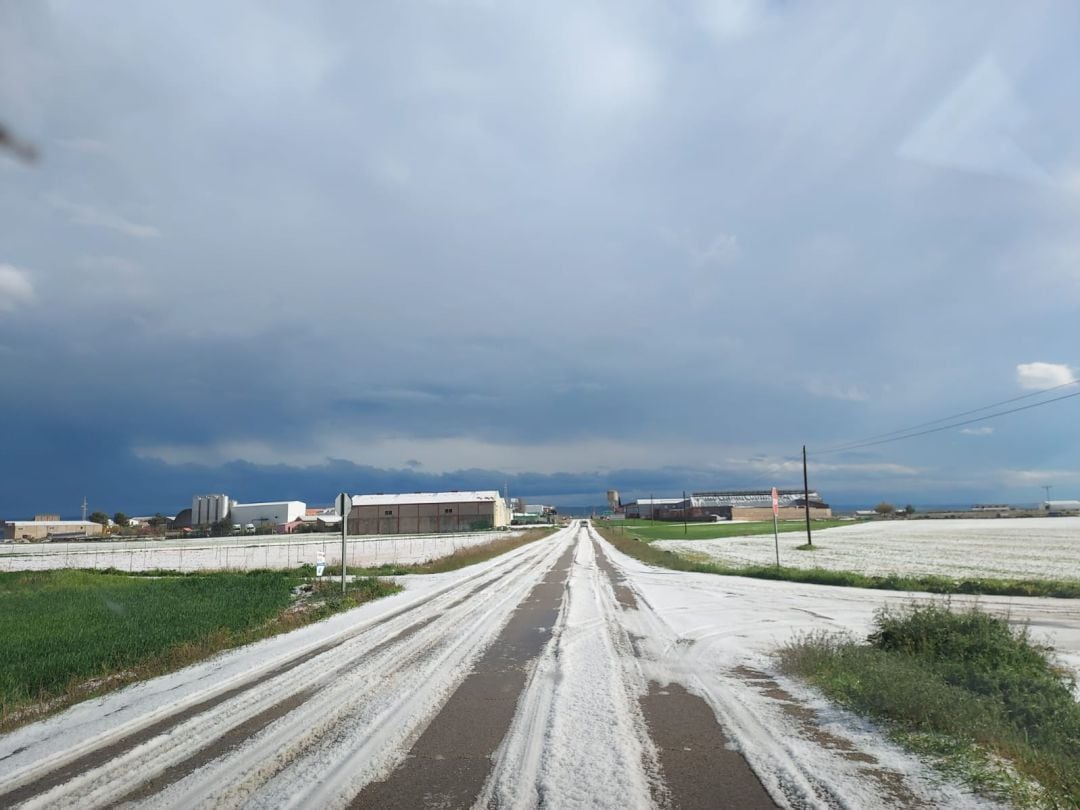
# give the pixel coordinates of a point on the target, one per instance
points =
(966, 680)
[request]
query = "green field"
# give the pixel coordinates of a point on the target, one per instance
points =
(68, 634)
(649, 530)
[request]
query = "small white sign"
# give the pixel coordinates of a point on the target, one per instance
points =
(320, 565)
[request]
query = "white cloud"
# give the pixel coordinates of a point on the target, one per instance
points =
(974, 127)
(1038, 376)
(978, 431)
(16, 289)
(794, 466)
(731, 19)
(1040, 478)
(722, 250)
(833, 390)
(79, 214)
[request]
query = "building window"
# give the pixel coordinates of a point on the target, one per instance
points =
(389, 513)
(448, 510)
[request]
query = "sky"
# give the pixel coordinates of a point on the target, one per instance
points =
(281, 250)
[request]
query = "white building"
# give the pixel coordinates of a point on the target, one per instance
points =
(271, 513)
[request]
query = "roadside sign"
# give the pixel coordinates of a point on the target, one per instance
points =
(775, 503)
(320, 565)
(344, 502)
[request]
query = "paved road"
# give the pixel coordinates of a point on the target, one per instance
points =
(548, 677)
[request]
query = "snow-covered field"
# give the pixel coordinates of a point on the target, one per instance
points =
(1021, 548)
(230, 553)
(346, 698)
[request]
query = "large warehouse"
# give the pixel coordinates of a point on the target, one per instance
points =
(744, 505)
(427, 512)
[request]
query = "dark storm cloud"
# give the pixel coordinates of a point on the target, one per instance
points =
(581, 238)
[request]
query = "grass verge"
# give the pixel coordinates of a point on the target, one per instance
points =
(649, 530)
(68, 635)
(452, 562)
(963, 689)
(1061, 589)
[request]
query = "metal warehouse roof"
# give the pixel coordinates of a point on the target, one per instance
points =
(51, 522)
(402, 498)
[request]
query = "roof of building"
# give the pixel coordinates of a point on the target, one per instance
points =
(402, 498)
(72, 523)
(656, 501)
(270, 503)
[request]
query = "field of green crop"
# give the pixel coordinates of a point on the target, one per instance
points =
(650, 530)
(66, 634)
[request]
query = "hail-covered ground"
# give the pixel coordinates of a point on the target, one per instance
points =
(326, 715)
(238, 553)
(1019, 548)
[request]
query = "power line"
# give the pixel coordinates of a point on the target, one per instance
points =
(950, 426)
(851, 444)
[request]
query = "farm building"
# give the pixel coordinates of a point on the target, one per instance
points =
(50, 529)
(427, 512)
(744, 505)
(648, 507)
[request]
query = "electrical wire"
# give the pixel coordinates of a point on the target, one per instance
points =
(860, 442)
(949, 426)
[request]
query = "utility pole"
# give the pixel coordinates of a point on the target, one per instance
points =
(1047, 487)
(344, 507)
(652, 507)
(84, 507)
(685, 509)
(806, 497)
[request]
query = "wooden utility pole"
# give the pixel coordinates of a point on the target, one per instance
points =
(685, 509)
(806, 497)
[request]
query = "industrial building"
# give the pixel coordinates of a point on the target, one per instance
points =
(206, 510)
(270, 513)
(427, 512)
(1061, 507)
(732, 505)
(51, 529)
(648, 508)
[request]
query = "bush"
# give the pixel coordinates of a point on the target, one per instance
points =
(965, 679)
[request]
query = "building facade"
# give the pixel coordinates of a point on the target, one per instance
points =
(744, 505)
(427, 512)
(270, 513)
(29, 530)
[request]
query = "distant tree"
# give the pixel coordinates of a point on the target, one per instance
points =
(909, 510)
(158, 520)
(884, 508)
(120, 519)
(221, 528)
(100, 517)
